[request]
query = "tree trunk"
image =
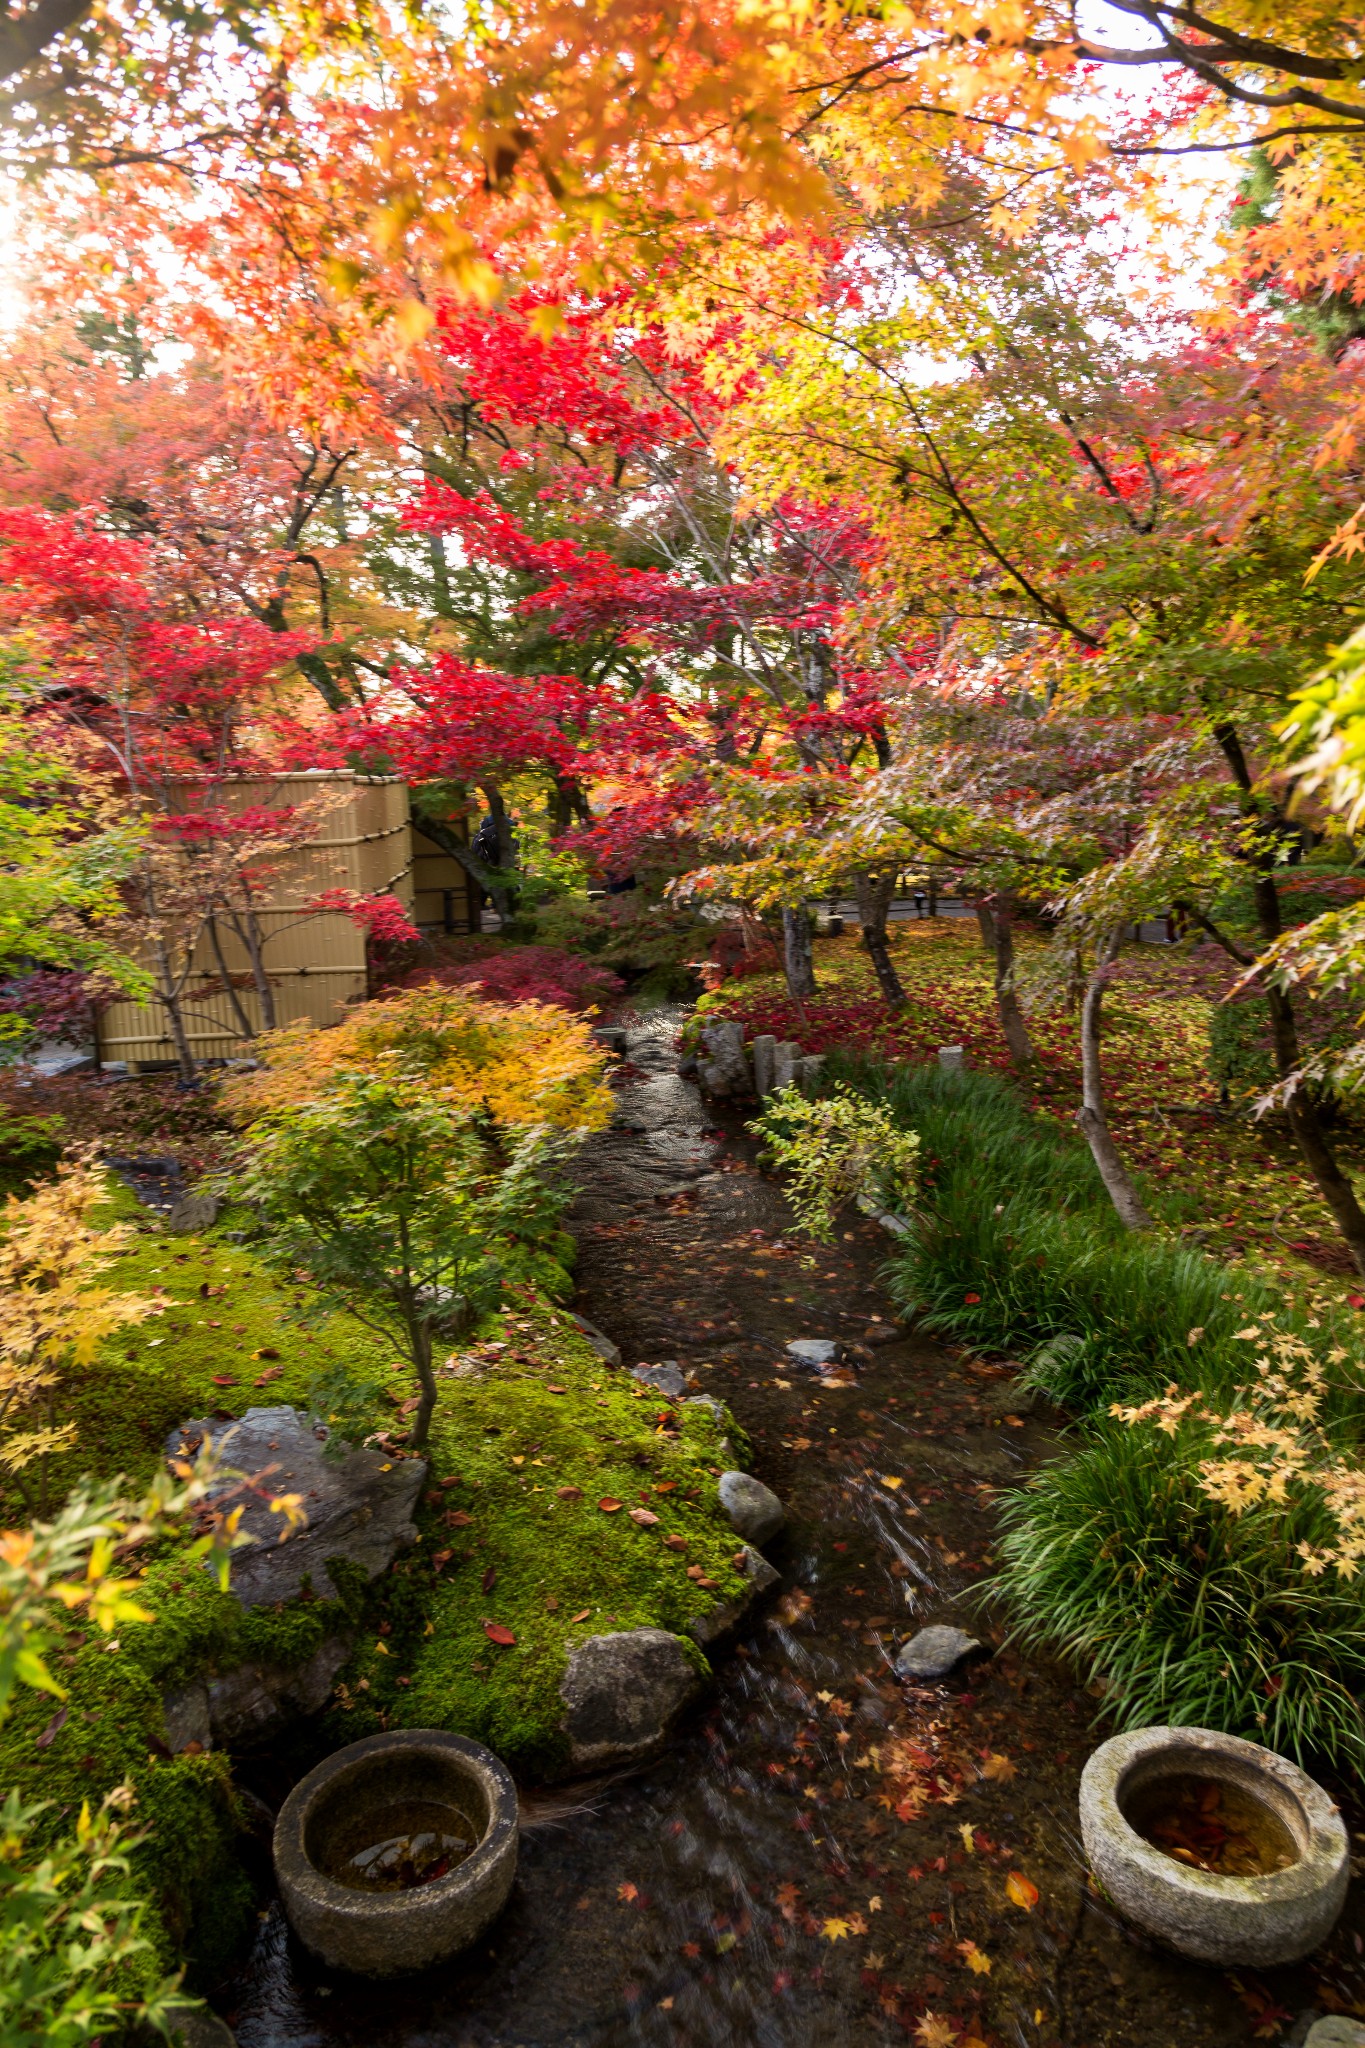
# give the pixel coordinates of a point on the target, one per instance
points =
(168, 995)
(1092, 1116)
(874, 894)
(265, 994)
(997, 935)
(419, 1334)
(1304, 1121)
(796, 953)
(503, 885)
(442, 834)
(243, 1021)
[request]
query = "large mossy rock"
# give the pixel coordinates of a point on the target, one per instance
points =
(359, 1504)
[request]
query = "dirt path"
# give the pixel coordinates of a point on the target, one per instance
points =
(826, 1857)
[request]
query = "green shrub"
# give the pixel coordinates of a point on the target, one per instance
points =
(1117, 1559)
(833, 1150)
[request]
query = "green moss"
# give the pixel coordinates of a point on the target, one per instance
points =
(503, 1546)
(512, 1428)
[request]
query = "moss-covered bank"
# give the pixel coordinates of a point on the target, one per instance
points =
(540, 1458)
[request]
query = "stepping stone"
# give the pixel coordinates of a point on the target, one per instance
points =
(1337, 2031)
(751, 1508)
(813, 1351)
(667, 1378)
(934, 1652)
(623, 1695)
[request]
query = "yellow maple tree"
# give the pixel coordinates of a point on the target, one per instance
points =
(52, 1318)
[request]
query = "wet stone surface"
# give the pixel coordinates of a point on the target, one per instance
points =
(824, 1858)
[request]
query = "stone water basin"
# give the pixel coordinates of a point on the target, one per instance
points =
(398, 1851)
(1223, 1850)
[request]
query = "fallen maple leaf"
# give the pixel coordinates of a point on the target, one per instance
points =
(273, 1372)
(224, 1379)
(835, 1930)
(569, 1492)
(490, 1578)
(441, 1558)
(933, 2032)
(1021, 1891)
(968, 1835)
(582, 1615)
(266, 1351)
(645, 1519)
(609, 1506)
(556, 1390)
(675, 1543)
(999, 1769)
(497, 1633)
(627, 1892)
(976, 1959)
(857, 1924)
(892, 1483)
(456, 1518)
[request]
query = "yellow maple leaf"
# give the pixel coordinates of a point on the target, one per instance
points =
(933, 2032)
(1021, 1891)
(835, 1930)
(999, 1769)
(976, 1959)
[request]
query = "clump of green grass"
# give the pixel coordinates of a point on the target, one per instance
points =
(1115, 1556)
(1015, 1244)
(1116, 1559)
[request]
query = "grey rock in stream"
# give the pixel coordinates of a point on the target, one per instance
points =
(667, 1378)
(752, 1509)
(814, 1351)
(934, 1652)
(599, 1340)
(759, 1575)
(1336, 2031)
(786, 1059)
(202, 2029)
(623, 1694)
(764, 1049)
(359, 1505)
(723, 1069)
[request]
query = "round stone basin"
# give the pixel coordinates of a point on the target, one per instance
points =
(1221, 1849)
(397, 1851)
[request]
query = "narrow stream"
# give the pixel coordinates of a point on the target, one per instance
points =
(828, 1856)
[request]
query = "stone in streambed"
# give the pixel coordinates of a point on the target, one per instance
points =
(786, 1059)
(722, 1067)
(599, 1340)
(667, 1378)
(764, 1050)
(813, 1351)
(623, 1694)
(752, 1509)
(882, 1333)
(934, 1652)
(759, 1575)
(1336, 2031)
(200, 2028)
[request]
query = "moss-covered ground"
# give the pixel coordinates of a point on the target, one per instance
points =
(561, 1501)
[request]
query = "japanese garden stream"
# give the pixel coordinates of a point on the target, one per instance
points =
(827, 1856)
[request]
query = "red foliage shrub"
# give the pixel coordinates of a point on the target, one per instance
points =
(525, 974)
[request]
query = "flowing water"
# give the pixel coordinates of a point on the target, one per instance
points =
(828, 1857)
